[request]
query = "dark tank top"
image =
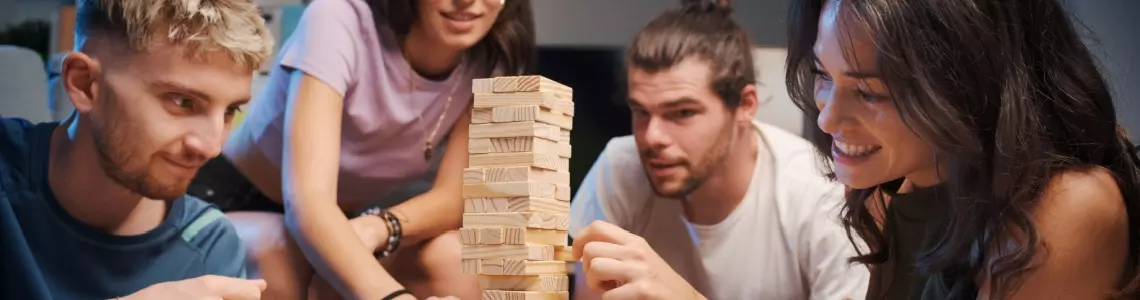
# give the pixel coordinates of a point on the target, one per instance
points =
(914, 221)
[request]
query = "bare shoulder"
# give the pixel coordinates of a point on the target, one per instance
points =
(1087, 198)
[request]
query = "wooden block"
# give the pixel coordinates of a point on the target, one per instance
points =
(535, 283)
(524, 295)
(523, 267)
(564, 253)
(482, 85)
(469, 236)
(517, 219)
(518, 144)
(505, 84)
(482, 115)
(514, 129)
(523, 113)
(562, 192)
(509, 189)
(510, 84)
(547, 161)
(527, 252)
(548, 100)
(564, 136)
(470, 266)
(515, 204)
(515, 174)
(518, 236)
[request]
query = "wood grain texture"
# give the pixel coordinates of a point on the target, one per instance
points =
(517, 219)
(482, 115)
(483, 85)
(523, 252)
(470, 266)
(535, 113)
(562, 192)
(514, 129)
(512, 84)
(515, 204)
(564, 253)
(505, 84)
(547, 161)
(509, 189)
(523, 267)
(517, 174)
(474, 175)
(527, 295)
(550, 101)
(564, 136)
(518, 145)
(535, 283)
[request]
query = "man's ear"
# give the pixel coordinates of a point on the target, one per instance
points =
(80, 76)
(749, 102)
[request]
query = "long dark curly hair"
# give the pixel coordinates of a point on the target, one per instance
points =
(1008, 95)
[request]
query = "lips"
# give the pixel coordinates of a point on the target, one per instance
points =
(461, 16)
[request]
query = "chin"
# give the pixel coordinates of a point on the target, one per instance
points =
(855, 180)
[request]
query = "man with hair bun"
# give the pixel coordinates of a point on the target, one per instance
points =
(94, 206)
(703, 201)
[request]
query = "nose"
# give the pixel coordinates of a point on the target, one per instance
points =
(206, 140)
(655, 135)
(831, 118)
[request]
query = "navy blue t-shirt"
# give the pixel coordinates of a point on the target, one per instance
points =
(48, 254)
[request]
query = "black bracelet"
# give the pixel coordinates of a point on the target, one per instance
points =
(395, 229)
(395, 294)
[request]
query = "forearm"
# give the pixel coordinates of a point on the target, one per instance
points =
(331, 246)
(429, 215)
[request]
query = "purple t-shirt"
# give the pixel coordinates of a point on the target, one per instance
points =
(382, 142)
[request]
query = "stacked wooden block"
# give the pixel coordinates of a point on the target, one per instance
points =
(517, 188)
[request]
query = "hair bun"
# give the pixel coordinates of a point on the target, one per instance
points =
(719, 7)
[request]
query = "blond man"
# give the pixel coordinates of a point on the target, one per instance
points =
(93, 207)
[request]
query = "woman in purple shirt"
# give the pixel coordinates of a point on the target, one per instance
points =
(364, 95)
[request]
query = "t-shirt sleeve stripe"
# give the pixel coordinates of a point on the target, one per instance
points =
(204, 219)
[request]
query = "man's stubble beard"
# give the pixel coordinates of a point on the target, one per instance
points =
(113, 148)
(698, 174)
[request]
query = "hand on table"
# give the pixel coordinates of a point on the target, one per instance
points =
(204, 287)
(621, 266)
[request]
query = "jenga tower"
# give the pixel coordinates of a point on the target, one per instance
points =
(516, 188)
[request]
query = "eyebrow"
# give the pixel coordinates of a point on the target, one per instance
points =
(671, 104)
(852, 74)
(171, 85)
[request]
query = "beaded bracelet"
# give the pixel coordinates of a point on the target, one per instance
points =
(395, 229)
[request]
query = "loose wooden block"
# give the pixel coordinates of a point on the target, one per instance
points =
(517, 219)
(509, 189)
(525, 252)
(514, 129)
(527, 295)
(518, 144)
(551, 101)
(515, 204)
(562, 192)
(523, 267)
(564, 253)
(547, 161)
(518, 236)
(516, 174)
(482, 115)
(536, 283)
(470, 266)
(531, 113)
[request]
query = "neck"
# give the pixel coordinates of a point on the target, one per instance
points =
(719, 196)
(428, 58)
(74, 175)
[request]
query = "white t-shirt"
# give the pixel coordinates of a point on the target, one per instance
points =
(784, 241)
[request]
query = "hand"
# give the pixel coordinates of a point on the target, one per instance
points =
(204, 287)
(371, 230)
(622, 266)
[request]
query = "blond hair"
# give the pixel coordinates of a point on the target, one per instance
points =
(231, 27)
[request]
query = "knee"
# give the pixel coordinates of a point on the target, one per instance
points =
(272, 255)
(442, 255)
